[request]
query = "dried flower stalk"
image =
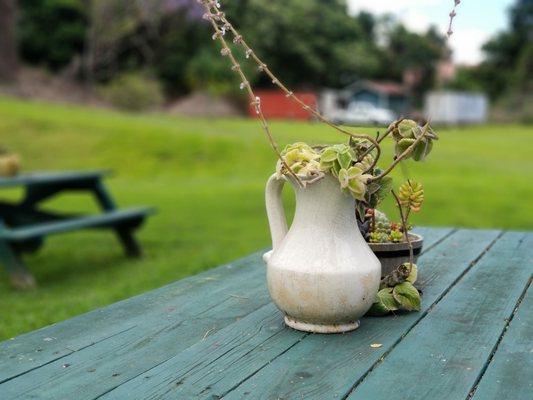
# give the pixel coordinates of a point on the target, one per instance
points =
(452, 14)
(221, 25)
(216, 16)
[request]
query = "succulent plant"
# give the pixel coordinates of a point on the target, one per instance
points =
(397, 292)
(301, 158)
(396, 236)
(341, 161)
(406, 134)
(411, 195)
(378, 237)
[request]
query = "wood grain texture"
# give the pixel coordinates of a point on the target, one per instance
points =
(510, 373)
(220, 376)
(128, 350)
(322, 366)
(123, 356)
(196, 372)
(34, 349)
(451, 346)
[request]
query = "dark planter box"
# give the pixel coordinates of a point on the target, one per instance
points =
(391, 255)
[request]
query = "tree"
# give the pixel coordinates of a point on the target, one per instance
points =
(9, 63)
(416, 52)
(52, 32)
(507, 67)
(308, 42)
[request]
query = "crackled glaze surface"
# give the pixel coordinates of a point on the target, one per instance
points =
(321, 272)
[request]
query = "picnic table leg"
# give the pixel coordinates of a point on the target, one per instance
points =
(38, 193)
(19, 275)
(124, 233)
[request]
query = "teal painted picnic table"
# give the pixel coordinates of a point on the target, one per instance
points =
(217, 335)
(24, 223)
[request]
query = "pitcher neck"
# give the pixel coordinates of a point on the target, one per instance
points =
(324, 203)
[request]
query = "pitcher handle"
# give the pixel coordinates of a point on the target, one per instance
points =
(275, 210)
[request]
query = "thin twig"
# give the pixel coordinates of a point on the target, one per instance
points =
(404, 226)
(452, 14)
(239, 297)
(253, 98)
(208, 332)
(379, 139)
(402, 156)
(290, 94)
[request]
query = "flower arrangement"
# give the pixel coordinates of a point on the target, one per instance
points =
(353, 164)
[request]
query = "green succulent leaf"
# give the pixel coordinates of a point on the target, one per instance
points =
(413, 275)
(385, 297)
(407, 296)
(403, 145)
(335, 169)
(345, 159)
(361, 210)
(329, 155)
(385, 303)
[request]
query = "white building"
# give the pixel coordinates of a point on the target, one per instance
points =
(453, 108)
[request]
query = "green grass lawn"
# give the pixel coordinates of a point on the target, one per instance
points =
(206, 177)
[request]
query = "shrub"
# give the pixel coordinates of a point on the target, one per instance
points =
(52, 32)
(133, 92)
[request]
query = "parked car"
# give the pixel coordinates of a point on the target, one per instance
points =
(362, 113)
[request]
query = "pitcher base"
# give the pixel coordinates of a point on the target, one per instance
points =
(319, 328)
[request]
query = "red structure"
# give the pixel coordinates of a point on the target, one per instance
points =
(275, 105)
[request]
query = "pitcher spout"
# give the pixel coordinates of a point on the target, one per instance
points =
(266, 257)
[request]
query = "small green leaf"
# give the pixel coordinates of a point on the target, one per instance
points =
(335, 169)
(343, 178)
(361, 210)
(403, 145)
(345, 160)
(386, 298)
(329, 155)
(384, 304)
(414, 274)
(407, 295)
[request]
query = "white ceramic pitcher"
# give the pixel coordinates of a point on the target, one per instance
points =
(321, 273)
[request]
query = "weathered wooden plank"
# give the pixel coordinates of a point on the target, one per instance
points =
(327, 366)
(510, 373)
(451, 346)
(141, 355)
(201, 371)
(430, 239)
(260, 337)
(213, 379)
(43, 346)
(34, 349)
(98, 368)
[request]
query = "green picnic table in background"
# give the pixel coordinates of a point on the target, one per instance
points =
(24, 225)
(217, 335)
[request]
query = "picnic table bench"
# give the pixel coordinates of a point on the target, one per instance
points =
(24, 225)
(217, 335)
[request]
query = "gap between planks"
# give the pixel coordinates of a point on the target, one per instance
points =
(440, 236)
(422, 316)
(502, 335)
(68, 354)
